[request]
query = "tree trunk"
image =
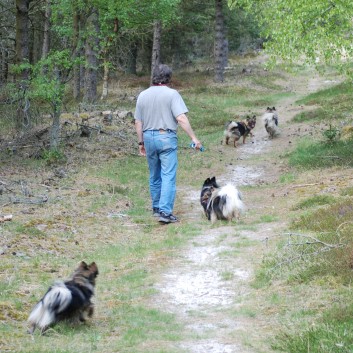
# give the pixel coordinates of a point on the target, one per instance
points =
(22, 37)
(175, 49)
(91, 53)
(105, 79)
(56, 103)
(4, 66)
(22, 56)
(77, 49)
(106, 63)
(144, 55)
(46, 34)
(55, 128)
(219, 53)
(132, 58)
(46, 31)
(156, 49)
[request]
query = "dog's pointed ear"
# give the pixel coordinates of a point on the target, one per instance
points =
(213, 179)
(93, 268)
(273, 108)
(254, 117)
(268, 109)
(82, 265)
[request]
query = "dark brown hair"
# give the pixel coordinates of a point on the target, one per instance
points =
(161, 74)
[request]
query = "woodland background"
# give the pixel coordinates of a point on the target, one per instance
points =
(67, 52)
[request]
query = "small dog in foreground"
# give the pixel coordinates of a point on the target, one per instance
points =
(66, 300)
(220, 202)
(236, 130)
(270, 120)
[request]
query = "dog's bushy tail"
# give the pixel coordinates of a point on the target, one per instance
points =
(54, 301)
(226, 202)
(232, 200)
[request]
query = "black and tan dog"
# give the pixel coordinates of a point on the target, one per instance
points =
(220, 202)
(208, 187)
(239, 129)
(66, 300)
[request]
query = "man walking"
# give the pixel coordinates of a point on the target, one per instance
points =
(159, 111)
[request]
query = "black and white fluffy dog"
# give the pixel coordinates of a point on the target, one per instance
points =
(66, 300)
(220, 202)
(270, 120)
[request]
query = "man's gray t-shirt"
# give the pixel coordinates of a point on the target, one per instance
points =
(158, 106)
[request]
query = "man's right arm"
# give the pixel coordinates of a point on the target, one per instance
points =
(139, 132)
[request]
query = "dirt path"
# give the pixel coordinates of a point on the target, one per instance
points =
(208, 286)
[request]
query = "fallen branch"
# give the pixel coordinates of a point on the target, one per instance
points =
(37, 201)
(116, 134)
(306, 249)
(314, 241)
(303, 185)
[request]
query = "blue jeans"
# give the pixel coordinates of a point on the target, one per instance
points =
(162, 158)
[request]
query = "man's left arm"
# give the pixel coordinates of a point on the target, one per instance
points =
(184, 123)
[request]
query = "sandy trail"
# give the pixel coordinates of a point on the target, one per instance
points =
(208, 286)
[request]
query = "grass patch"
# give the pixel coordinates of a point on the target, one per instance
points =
(341, 92)
(331, 334)
(319, 247)
(317, 114)
(347, 191)
(310, 154)
(335, 103)
(314, 201)
(268, 218)
(227, 276)
(287, 178)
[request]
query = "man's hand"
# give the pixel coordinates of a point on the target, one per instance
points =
(197, 144)
(142, 150)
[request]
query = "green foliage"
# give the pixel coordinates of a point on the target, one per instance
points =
(296, 29)
(50, 86)
(53, 156)
(331, 134)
